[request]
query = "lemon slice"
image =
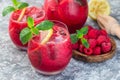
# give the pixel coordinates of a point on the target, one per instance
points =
(98, 7)
(45, 35)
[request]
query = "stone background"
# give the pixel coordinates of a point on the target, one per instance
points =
(14, 64)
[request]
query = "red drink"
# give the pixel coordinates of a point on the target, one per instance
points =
(15, 26)
(72, 12)
(53, 56)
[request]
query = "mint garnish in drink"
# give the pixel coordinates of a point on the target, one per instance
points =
(45, 25)
(16, 6)
(27, 33)
(79, 35)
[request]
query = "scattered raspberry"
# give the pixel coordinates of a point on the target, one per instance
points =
(88, 51)
(93, 33)
(92, 43)
(106, 47)
(97, 51)
(75, 46)
(81, 48)
(101, 39)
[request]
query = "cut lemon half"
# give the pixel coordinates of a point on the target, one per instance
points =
(45, 35)
(98, 7)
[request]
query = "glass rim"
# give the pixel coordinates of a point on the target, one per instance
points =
(25, 22)
(66, 27)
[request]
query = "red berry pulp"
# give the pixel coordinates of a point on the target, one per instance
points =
(52, 57)
(15, 27)
(72, 12)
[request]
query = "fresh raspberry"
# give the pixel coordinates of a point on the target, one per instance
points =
(106, 47)
(101, 39)
(92, 43)
(93, 33)
(97, 51)
(103, 32)
(75, 46)
(88, 51)
(81, 48)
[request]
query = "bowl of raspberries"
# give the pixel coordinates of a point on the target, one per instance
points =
(101, 46)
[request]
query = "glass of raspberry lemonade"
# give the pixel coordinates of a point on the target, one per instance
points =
(16, 26)
(53, 56)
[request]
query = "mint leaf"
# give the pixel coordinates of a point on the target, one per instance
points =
(22, 5)
(79, 34)
(15, 3)
(35, 31)
(25, 35)
(84, 30)
(73, 38)
(30, 22)
(45, 25)
(85, 42)
(8, 10)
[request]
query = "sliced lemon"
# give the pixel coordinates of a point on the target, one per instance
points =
(45, 35)
(98, 7)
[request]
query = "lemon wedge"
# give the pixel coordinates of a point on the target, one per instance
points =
(98, 7)
(45, 35)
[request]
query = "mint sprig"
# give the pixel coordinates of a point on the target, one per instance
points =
(35, 31)
(27, 33)
(85, 42)
(15, 3)
(83, 31)
(45, 25)
(74, 38)
(30, 22)
(79, 35)
(22, 5)
(16, 6)
(8, 10)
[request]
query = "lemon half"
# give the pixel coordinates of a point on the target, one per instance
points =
(98, 7)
